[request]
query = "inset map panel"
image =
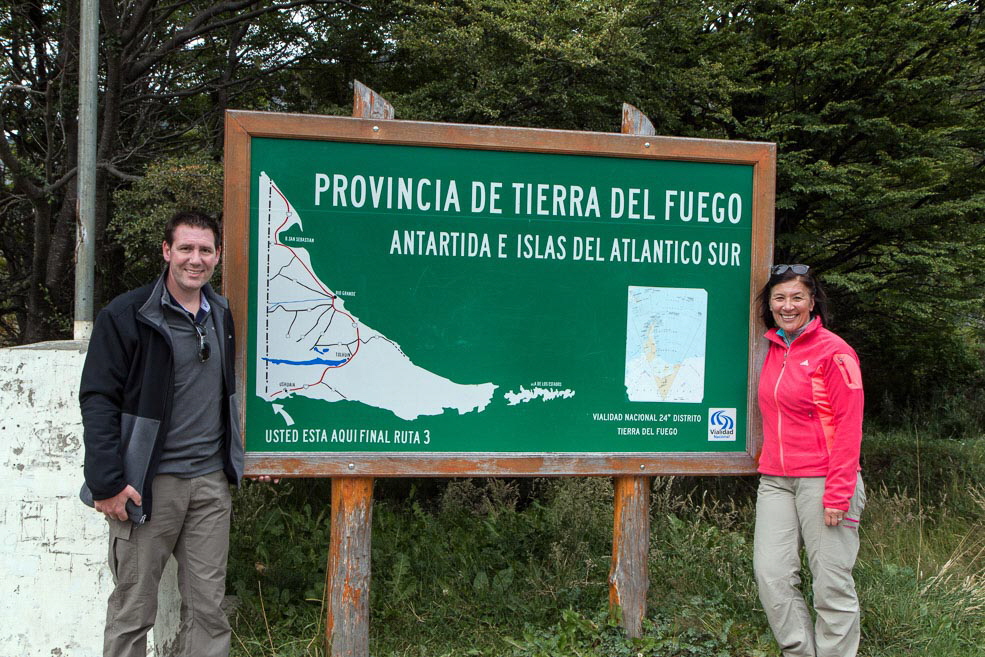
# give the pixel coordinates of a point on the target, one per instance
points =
(665, 344)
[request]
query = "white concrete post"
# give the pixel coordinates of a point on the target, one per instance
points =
(54, 581)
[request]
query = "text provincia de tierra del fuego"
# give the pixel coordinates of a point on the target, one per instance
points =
(533, 200)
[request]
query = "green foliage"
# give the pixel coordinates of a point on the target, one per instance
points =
(171, 185)
(509, 568)
(576, 635)
(539, 63)
(876, 113)
(905, 614)
(920, 571)
(277, 565)
(938, 473)
(463, 564)
(167, 74)
(875, 108)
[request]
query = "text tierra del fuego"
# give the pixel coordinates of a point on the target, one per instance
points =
(542, 200)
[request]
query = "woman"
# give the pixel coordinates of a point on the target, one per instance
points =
(810, 492)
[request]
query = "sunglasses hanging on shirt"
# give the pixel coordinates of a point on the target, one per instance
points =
(204, 348)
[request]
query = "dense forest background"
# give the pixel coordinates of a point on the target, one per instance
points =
(877, 109)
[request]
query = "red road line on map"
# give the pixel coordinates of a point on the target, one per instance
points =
(277, 243)
(333, 297)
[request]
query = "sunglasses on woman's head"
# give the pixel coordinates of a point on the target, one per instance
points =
(797, 269)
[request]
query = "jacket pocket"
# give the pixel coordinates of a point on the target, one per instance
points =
(850, 371)
(820, 440)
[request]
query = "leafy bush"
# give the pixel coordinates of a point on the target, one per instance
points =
(278, 557)
(189, 182)
(577, 635)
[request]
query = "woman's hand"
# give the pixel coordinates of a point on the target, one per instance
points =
(833, 517)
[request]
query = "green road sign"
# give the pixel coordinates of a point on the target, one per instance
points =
(422, 296)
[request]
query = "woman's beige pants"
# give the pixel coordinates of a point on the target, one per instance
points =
(790, 516)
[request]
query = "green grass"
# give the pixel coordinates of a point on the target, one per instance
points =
(520, 567)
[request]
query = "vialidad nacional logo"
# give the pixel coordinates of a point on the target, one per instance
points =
(721, 424)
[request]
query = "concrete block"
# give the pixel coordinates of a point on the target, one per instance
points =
(52, 548)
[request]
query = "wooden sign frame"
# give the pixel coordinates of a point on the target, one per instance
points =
(242, 127)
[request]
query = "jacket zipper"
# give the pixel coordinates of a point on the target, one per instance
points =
(779, 415)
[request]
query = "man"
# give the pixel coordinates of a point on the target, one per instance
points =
(162, 443)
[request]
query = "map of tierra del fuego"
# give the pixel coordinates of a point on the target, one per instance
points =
(309, 344)
(665, 344)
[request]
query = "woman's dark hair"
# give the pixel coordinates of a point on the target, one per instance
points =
(809, 280)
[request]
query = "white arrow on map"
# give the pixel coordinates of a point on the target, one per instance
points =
(287, 418)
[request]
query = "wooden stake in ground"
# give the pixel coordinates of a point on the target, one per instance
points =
(628, 577)
(347, 578)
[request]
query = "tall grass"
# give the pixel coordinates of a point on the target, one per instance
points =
(921, 569)
(519, 567)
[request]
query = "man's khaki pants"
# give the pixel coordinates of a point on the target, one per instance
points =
(790, 515)
(190, 519)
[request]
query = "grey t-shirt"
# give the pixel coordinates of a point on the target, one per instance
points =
(193, 446)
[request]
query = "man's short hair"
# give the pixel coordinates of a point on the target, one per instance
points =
(194, 218)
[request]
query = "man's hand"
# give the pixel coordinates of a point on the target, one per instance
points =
(116, 506)
(266, 479)
(833, 517)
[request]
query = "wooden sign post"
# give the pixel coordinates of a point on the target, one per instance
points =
(348, 573)
(426, 299)
(628, 577)
(349, 555)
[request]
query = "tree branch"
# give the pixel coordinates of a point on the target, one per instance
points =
(109, 168)
(203, 23)
(61, 182)
(10, 160)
